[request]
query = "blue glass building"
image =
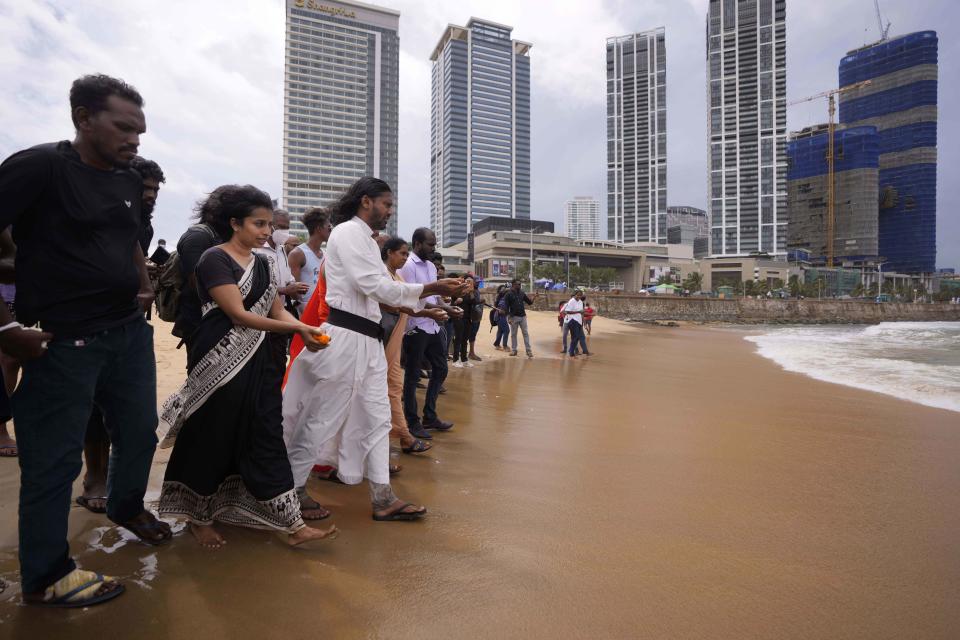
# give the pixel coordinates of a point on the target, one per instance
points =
(901, 102)
(480, 128)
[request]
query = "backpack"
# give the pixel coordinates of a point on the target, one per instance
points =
(170, 282)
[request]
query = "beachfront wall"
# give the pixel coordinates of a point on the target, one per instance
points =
(750, 311)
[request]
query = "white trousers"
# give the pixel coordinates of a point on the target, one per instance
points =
(336, 410)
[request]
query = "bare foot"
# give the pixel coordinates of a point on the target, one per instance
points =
(309, 534)
(207, 536)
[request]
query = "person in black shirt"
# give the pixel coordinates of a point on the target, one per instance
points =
(152, 176)
(517, 316)
(96, 441)
(197, 239)
(75, 209)
(160, 255)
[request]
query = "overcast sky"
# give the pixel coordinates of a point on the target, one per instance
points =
(212, 77)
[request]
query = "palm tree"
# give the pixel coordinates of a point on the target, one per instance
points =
(693, 281)
(665, 278)
(796, 287)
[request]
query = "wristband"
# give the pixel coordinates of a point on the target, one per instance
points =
(11, 325)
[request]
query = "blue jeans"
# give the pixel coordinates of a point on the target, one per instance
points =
(577, 337)
(114, 370)
(503, 331)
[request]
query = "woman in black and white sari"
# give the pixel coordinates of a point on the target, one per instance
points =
(229, 462)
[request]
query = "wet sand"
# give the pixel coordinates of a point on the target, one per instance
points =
(675, 485)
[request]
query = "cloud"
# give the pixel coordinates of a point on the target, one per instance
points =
(212, 77)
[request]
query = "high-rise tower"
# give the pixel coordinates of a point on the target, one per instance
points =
(340, 100)
(901, 102)
(637, 137)
(747, 89)
(480, 128)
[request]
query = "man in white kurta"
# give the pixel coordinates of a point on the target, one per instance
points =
(336, 410)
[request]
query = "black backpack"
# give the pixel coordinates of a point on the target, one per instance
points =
(170, 282)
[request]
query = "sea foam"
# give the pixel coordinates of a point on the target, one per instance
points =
(915, 361)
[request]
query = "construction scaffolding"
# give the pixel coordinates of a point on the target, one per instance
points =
(901, 102)
(856, 165)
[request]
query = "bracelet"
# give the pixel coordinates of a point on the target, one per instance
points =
(11, 325)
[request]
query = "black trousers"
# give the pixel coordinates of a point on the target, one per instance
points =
(461, 336)
(417, 346)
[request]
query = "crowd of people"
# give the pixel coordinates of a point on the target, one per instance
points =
(303, 357)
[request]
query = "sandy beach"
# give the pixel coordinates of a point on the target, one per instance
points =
(674, 485)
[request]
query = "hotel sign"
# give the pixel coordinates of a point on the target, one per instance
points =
(324, 8)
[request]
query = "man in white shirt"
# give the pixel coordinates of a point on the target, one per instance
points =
(336, 410)
(573, 321)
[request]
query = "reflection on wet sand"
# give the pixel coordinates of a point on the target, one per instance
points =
(675, 485)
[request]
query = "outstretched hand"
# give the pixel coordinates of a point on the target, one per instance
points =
(452, 287)
(436, 314)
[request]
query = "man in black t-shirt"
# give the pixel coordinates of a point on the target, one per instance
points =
(195, 240)
(152, 176)
(160, 255)
(515, 302)
(75, 209)
(96, 442)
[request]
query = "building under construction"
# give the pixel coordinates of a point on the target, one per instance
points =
(901, 102)
(856, 163)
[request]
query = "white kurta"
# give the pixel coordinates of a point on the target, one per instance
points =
(336, 409)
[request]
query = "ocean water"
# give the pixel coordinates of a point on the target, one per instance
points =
(915, 361)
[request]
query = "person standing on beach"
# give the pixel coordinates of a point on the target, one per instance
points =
(96, 441)
(500, 317)
(290, 288)
(160, 255)
(395, 252)
(424, 340)
(80, 273)
(573, 318)
(229, 463)
(193, 243)
(152, 176)
(336, 404)
(306, 259)
(515, 302)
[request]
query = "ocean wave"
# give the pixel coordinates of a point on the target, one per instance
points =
(914, 361)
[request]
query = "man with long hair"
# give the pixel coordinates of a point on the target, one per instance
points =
(336, 410)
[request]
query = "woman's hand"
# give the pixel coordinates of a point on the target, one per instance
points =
(314, 338)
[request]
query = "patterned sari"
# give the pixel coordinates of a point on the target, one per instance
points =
(229, 462)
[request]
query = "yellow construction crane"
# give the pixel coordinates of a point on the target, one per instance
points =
(831, 191)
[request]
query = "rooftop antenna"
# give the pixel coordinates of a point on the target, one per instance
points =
(884, 30)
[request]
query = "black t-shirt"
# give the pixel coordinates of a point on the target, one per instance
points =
(146, 235)
(216, 268)
(160, 256)
(76, 229)
(515, 301)
(190, 248)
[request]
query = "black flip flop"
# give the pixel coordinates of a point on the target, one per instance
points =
(84, 502)
(400, 515)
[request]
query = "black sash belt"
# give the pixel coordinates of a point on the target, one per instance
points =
(353, 322)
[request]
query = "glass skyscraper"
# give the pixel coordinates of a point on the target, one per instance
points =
(747, 89)
(480, 128)
(637, 137)
(341, 91)
(901, 102)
